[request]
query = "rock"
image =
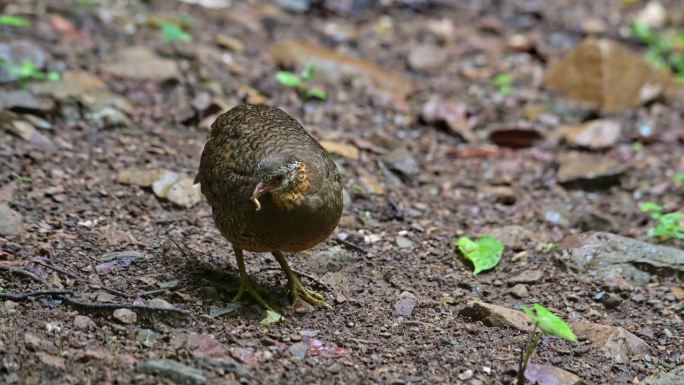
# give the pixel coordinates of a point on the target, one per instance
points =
(588, 172)
(21, 100)
(596, 134)
(331, 259)
(403, 242)
(496, 316)
(515, 237)
(613, 257)
(673, 377)
(108, 117)
(653, 15)
(294, 5)
(177, 188)
(594, 72)
(206, 346)
(141, 63)
(616, 343)
(146, 337)
(85, 87)
(125, 316)
(16, 52)
(160, 304)
(406, 303)
(142, 178)
(370, 182)
(11, 222)
(451, 113)
(550, 375)
(426, 57)
(298, 350)
(230, 43)
(519, 291)
(184, 192)
(53, 362)
(28, 133)
(173, 370)
(527, 276)
(348, 151)
(84, 323)
(402, 163)
(333, 66)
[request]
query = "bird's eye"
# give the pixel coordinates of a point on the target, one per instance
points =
(278, 179)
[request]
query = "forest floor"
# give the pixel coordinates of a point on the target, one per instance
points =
(445, 122)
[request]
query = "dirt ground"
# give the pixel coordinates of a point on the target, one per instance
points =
(413, 185)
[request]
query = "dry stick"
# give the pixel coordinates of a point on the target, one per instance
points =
(90, 285)
(63, 295)
(103, 306)
(299, 273)
(31, 294)
(353, 246)
(14, 270)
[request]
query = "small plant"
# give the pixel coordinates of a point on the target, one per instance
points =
(272, 318)
(503, 83)
(14, 21)
(664, 51)
(173, 33)
(299, 82)
(2, 289)
(483, 254)
(545, 323)
(19, 178)
(667, 225)
(28, 71)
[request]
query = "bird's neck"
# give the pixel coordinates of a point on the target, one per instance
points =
(295, 196)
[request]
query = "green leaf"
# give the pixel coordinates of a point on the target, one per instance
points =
(651, 207)
(678, 177)
(2, 289)
(484, 254)
(308, 72)
(503, 79)
(272, 318)
(643, 32)
(53, 76)
(173, 33)
(288, 79)
(550, 323)
(14, 21)
(316, 93)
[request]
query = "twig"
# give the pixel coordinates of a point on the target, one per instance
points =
(14, 270)
(31, 294)
(183, 253)
(107, 306)
(299, 273)
(353, 246)
(79, 278)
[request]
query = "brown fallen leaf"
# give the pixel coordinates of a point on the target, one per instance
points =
(596, 134)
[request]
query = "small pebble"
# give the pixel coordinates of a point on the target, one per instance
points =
(125, 316)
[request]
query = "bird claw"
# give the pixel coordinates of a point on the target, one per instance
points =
(299, 292)
(247, 288)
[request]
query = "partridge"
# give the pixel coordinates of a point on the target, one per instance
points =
(272, 188)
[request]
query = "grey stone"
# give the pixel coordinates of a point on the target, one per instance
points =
(406, 303)
(673, 377)
(125, 316)
(11, 222)
(519, 291)
(613, 257)
(298, 350)
(146, 337)
(174, 371)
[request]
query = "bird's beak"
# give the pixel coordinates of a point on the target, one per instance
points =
(259, 190)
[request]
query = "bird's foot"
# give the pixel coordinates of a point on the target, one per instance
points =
(299, 292)
(247, 288)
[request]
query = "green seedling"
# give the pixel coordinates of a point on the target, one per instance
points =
(18, 177)
(2, 289)
(173, 33)
(28, 71)
(272, 318)
(679, 177)
(665, 51)
(503, 83)
(14, 21)
(545, 323)
(300, 83)
(667, 225)
(483, 254)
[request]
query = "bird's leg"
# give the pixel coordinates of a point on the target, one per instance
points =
(297, 289)
(246, 286)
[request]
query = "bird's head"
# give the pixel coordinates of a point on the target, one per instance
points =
(279, 175)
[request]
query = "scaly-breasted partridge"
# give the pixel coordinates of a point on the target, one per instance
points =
(272, 188)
